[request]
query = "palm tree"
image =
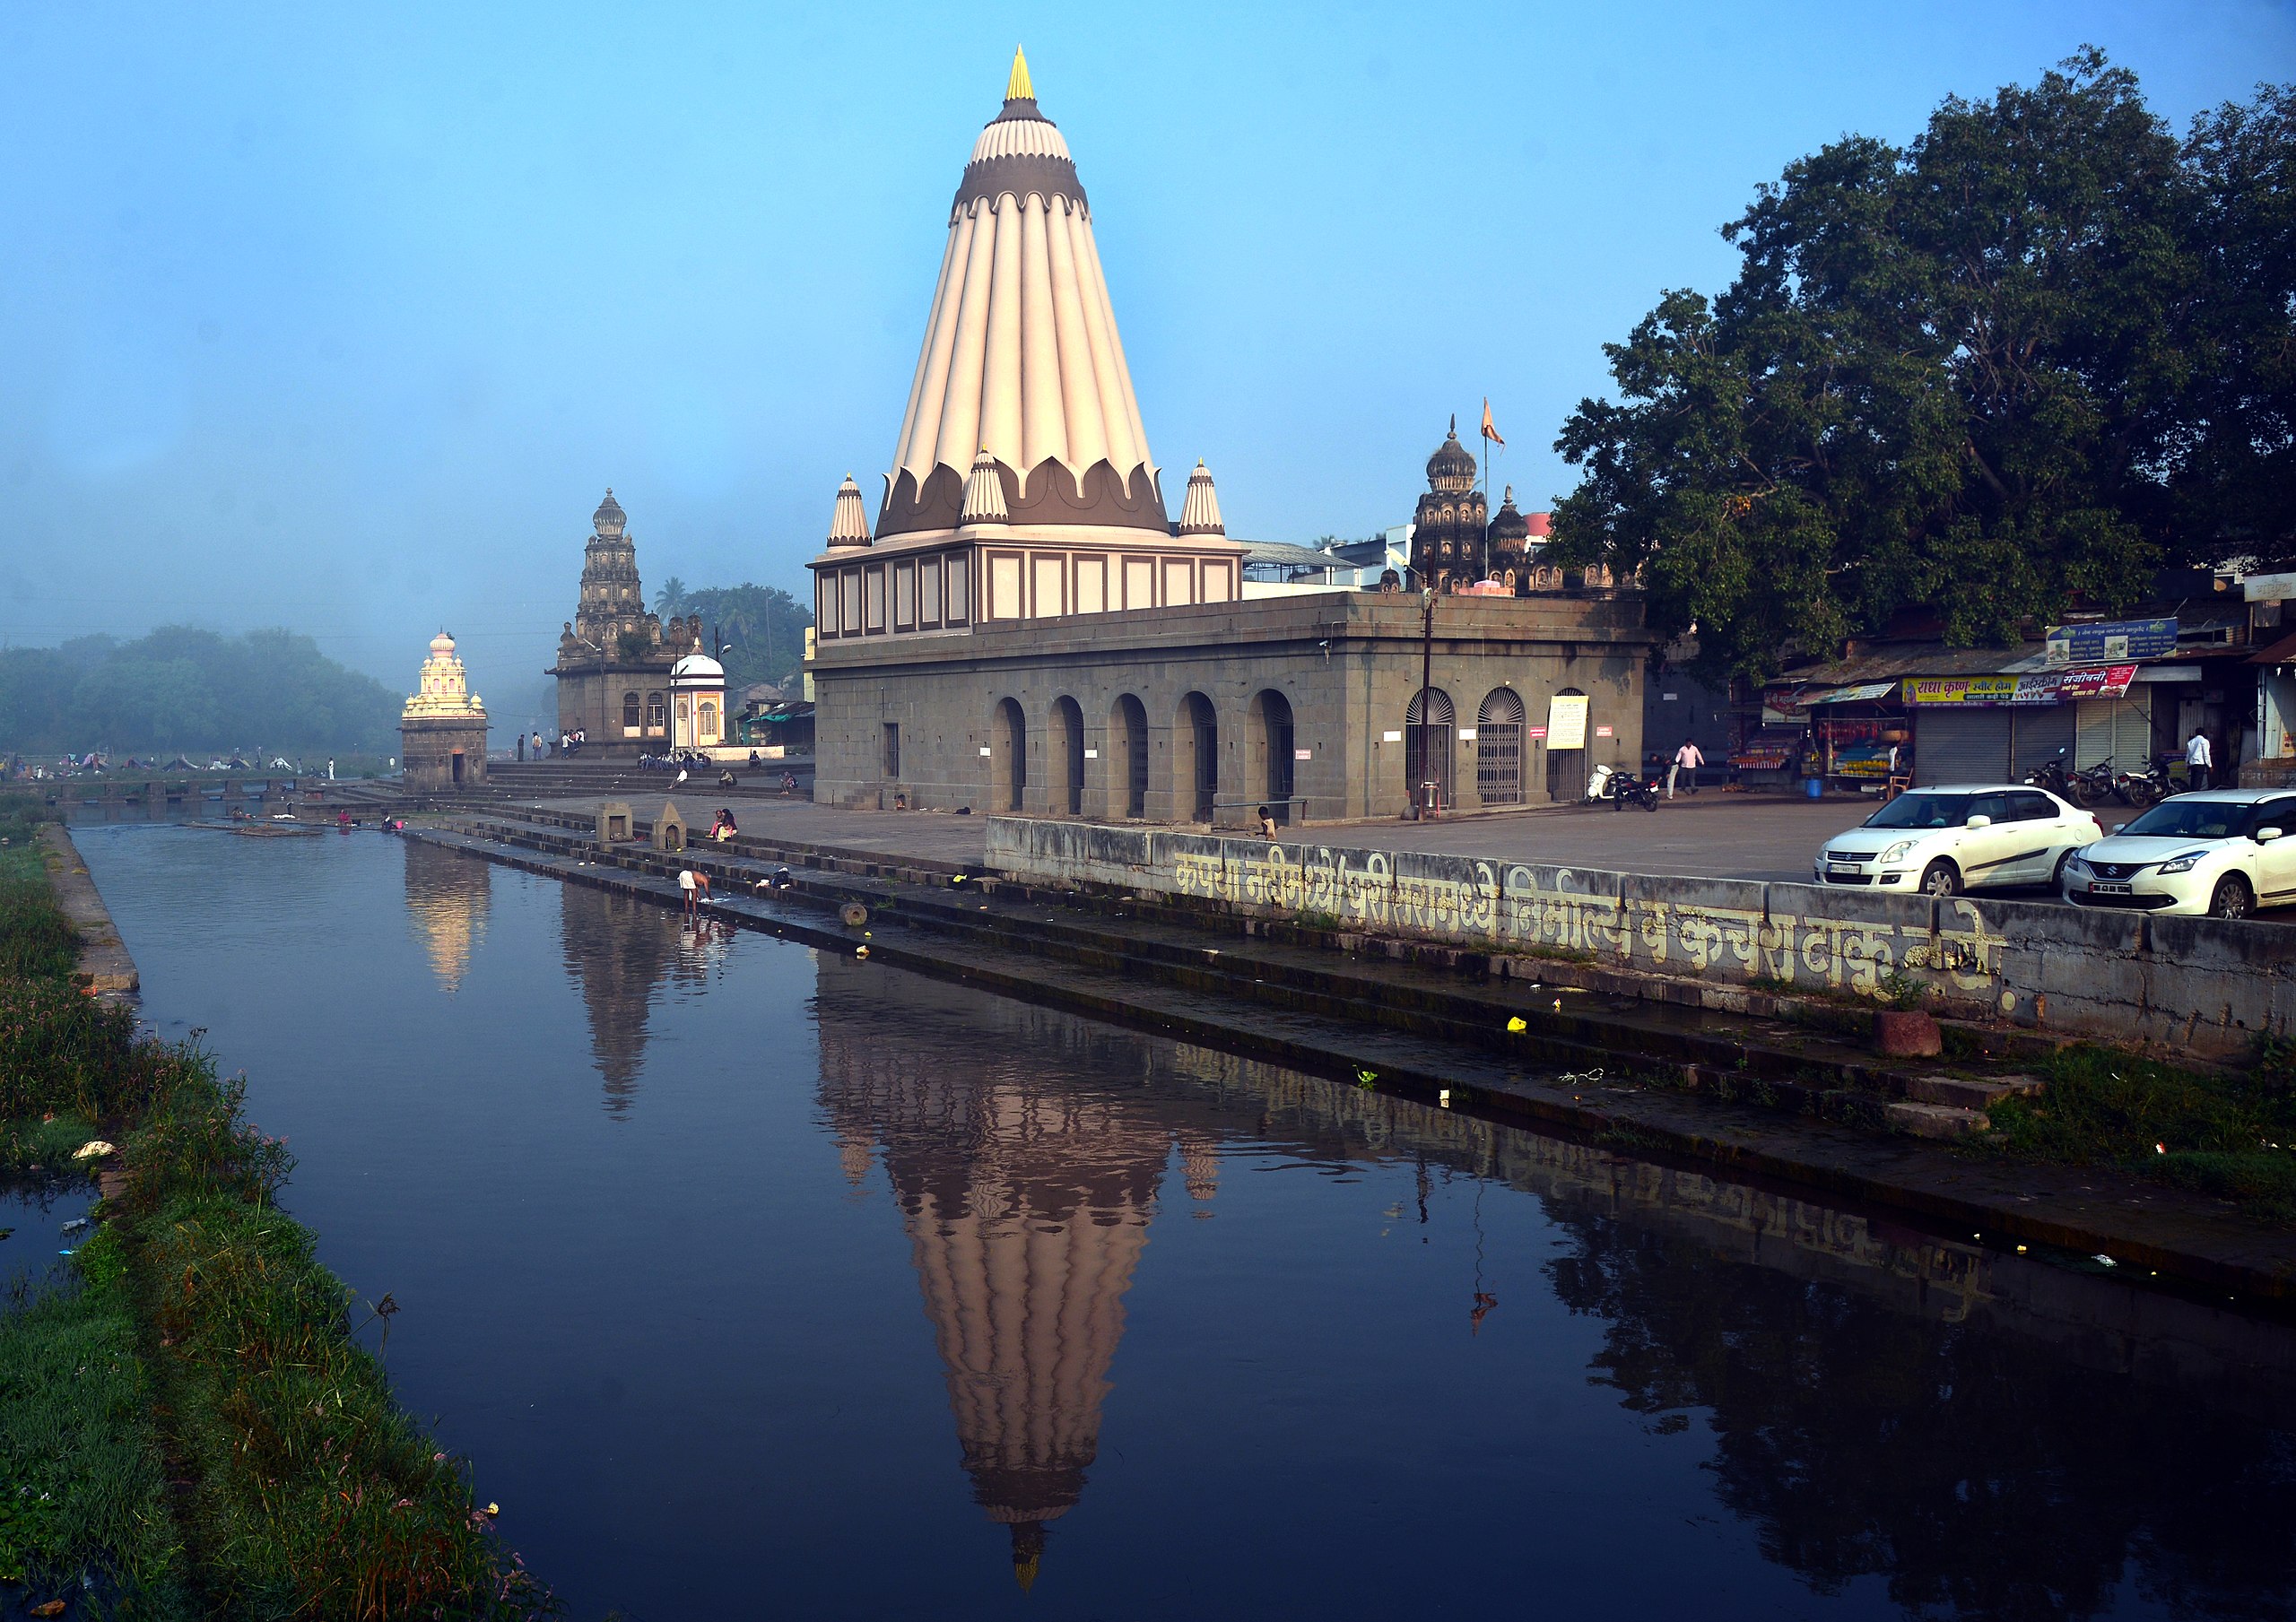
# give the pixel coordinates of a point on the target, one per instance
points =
(671, 598)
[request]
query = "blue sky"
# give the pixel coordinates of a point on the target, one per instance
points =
(343, 319)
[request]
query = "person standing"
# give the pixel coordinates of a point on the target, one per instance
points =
(1687, 758)
(2199, 759)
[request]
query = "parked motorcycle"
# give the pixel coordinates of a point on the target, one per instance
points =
(2139, 789)
(2050, 775)
(2093, 785)
(1633, 788)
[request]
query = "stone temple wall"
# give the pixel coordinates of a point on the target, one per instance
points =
(2194, 984)
(1097, 703)
(428, 750)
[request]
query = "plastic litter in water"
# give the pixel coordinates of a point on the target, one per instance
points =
(1517, 1024)
(2104, 1259)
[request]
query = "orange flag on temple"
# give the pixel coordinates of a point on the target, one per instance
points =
(1489, 429)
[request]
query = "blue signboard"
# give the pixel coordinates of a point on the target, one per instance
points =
(2112, 642)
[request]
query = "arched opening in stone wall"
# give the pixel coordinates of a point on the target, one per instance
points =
(1270, 766)
(1196, 759)
(1128, 746)
(1566, 768)
(1428, 725)
(630, 713)
(1067, 753)
(1008, 758)
(1498, 748)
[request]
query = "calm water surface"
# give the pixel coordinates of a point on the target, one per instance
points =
(756, 1282)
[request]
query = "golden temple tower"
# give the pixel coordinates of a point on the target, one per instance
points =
(442, 727)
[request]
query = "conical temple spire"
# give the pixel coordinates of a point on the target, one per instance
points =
(1021, 354)
(848, 523)
(1200, 512)
(983, 500)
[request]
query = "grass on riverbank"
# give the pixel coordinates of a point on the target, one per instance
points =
(201, 1342)
(2233, 1136)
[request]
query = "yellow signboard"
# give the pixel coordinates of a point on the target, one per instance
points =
(1566, 721)
(1961, 689)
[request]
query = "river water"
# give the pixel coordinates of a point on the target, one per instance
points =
(755, 1280)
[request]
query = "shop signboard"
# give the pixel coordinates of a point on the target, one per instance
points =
(2110, 682)
(2111, 641)
(1961, 689)
(1566, 721)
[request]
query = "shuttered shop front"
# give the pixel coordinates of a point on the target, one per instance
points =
(2118, 728)
(1952, 743)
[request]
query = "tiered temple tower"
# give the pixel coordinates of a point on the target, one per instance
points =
(1447, 535)
(613, 657)
(442, 727)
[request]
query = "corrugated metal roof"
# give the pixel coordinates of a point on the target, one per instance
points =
(1920, 659)
(1285, 555)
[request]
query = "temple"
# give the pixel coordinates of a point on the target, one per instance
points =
(1029, 629)
(615, 661)
(442, 726)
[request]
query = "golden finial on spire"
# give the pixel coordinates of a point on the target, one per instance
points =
(1017, 88)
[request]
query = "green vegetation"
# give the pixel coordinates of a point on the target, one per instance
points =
(2233, 1136)
(19, 819)
(2021, 363)
(199, 1343)
(185, 689)
(764, 627)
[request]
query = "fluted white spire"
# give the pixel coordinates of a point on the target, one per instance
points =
(1200, 512)
(1021, 355)
(848, 523)
(983, 493)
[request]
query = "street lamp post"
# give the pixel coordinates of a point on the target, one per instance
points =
(1426, 705)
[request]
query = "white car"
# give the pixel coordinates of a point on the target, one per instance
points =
(2223, 851)
(1946, 840)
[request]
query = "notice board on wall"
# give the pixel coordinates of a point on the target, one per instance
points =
(1566, 721)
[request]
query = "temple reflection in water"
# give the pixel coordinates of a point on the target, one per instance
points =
(447, 898)
(1027, 1186)
(620, 953)
(1856, 1378)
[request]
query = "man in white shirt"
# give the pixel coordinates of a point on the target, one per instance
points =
(2199, 760)
(1687, 758)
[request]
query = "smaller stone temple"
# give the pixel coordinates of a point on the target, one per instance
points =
(614, 659)
(442, 729)
(1447, 548)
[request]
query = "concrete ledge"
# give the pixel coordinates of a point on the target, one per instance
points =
(105, 966)
(2191, 985)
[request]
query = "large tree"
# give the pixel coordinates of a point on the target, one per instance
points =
(2024, 361)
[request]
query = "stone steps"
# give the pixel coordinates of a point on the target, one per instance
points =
(1771, 1061)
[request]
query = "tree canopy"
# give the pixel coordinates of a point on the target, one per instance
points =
(763, 627)
(2023, 362)
(184, 688)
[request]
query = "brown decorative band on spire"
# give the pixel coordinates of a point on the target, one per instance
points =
(1052, 499)
(1020, 173)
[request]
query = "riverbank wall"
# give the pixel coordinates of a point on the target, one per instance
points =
(2195, 986)
(105, 968)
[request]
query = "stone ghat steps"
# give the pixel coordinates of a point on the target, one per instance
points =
(1772, 1061)
(792, 854)
(2189, 1240)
